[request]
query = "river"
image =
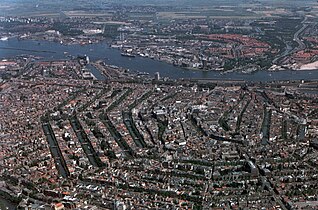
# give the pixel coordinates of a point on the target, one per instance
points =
(101, 51)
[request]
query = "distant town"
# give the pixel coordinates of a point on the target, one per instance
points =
(245, 38)
(81, 133)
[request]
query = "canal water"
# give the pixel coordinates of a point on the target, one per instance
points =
(6, 205)
(102, 51)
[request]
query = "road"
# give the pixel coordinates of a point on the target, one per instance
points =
(301, 45)
(266, 182)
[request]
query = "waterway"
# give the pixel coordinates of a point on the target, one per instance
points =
(55, 150)
(4, 204)
(102, 51)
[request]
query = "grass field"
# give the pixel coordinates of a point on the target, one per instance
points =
(217, 13)
(73, 14)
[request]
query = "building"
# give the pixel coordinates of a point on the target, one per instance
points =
(157, 76)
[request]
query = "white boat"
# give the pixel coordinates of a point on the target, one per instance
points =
(4, 39)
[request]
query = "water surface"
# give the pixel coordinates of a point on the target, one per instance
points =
(102, 51)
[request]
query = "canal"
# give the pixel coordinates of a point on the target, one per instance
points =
(7, 205)
(55, 150)
(85, 143)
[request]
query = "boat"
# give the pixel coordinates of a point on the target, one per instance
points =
(4, 39)
(142, 73)
(128, 55)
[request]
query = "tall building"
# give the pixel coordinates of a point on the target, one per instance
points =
(157, 76)
(87, 59)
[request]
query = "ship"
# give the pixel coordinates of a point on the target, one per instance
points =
(139, 73)
(4, 39)
(128, 55)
